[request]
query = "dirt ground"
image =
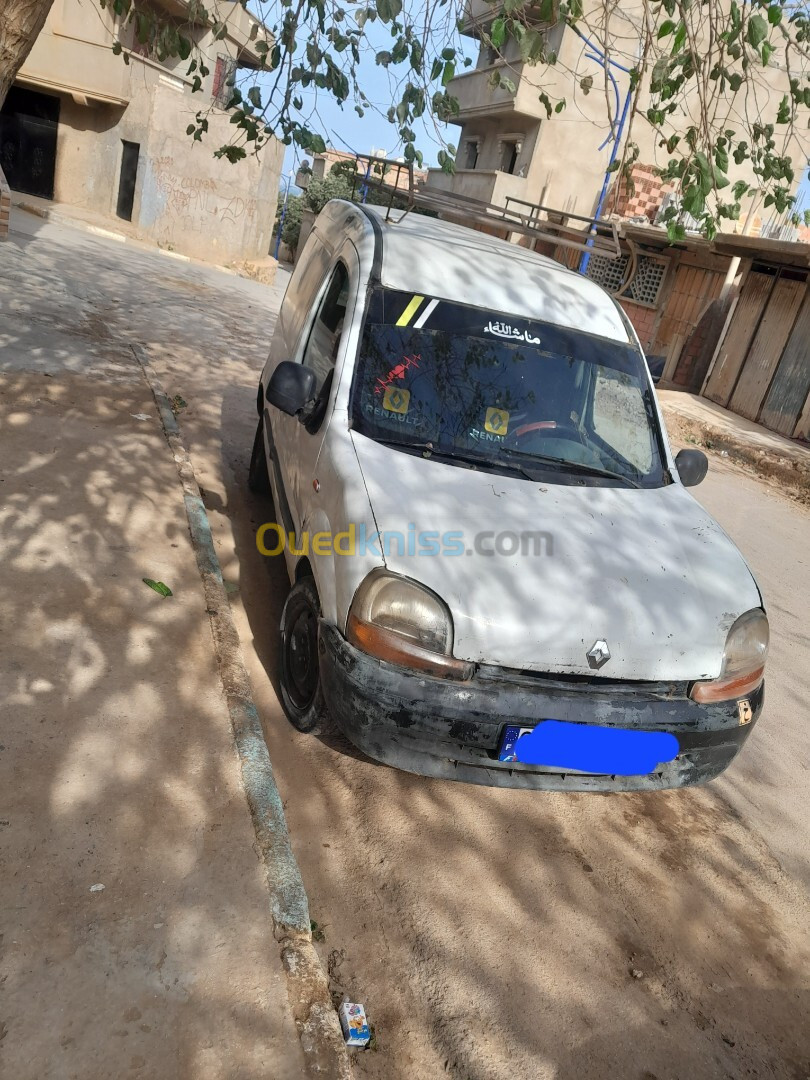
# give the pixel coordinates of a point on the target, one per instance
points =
(495, 934)
(135, 937)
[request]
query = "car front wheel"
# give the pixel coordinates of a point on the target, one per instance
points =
(299, 668)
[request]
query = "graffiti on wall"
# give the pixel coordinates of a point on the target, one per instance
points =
(194, 204)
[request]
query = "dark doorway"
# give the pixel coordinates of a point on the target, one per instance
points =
(28, 125)
(126, 182)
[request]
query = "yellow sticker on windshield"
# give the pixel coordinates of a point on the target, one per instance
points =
(396, 400)
(497, 421)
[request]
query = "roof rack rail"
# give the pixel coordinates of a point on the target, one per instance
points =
(596, 236)
(372, 174)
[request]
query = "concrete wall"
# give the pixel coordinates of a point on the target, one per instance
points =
(198, 204)
(185, 199)
(73, 51)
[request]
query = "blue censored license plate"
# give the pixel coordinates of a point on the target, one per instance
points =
(510, 736)
(556, 744)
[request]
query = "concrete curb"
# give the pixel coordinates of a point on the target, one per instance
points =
(791, 475)
(325, 1052)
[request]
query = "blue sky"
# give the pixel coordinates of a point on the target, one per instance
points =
(343, 129)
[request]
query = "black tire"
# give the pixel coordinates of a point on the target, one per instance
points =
(258, 476)
(299, 668)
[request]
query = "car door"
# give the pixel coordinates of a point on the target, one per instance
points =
(298, 444)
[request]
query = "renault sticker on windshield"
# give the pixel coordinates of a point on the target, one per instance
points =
(497, 421)
(396, 400)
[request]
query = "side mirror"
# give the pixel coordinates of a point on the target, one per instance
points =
(291, 386)
(692, 467)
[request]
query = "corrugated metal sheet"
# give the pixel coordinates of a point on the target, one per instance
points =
(755, 292)
(692, 291)
(767, 347)
(791, 383)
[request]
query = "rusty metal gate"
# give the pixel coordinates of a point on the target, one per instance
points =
(791, 383)
(762, 369)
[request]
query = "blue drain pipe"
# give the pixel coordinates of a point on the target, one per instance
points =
(600, 58)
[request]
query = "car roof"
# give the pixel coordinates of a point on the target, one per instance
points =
(438, 258)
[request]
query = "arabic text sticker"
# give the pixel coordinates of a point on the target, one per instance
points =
(497, 421)
(512, 333)
(396, 400)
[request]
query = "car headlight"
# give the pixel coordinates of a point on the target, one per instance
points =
(743, 660)
(395, 619)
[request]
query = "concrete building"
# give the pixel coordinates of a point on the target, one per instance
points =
(322, 165)
(83, 127)
(508, 148)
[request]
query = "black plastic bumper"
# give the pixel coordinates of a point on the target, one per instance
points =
(438, 727)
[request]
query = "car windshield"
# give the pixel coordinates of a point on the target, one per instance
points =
(506, 393)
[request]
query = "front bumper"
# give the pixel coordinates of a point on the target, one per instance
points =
(437, 727)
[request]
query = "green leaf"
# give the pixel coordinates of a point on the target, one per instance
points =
(436, 70)
(680, 38)
(191, 129)
(183, 47)
(694, 201)
(231, 153)
(740, 189)
(705, 173)
(660, 68)
(767, 52)
(255, 96)
(665, 28)
(498, 32)
(158, 586)
(508, 85)
(448, 73)
(774, 14)
(757, 30)
(586, 84)
(558, 108)
(783, 114)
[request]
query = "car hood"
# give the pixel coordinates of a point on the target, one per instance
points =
(646, 570)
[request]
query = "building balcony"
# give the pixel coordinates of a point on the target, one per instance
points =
(477, 98)
(487, 185)
(480, 13)
(87, 70)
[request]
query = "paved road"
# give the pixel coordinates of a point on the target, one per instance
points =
(495, 934)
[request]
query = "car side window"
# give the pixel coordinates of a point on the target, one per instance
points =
(304, 285)
(327, 328)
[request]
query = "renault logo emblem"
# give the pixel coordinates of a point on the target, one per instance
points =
(598, 654)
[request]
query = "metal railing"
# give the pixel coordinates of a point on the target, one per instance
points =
(533, 220)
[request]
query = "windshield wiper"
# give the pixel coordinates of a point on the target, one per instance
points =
(429, 449)
(572, 466)
(523, 466)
